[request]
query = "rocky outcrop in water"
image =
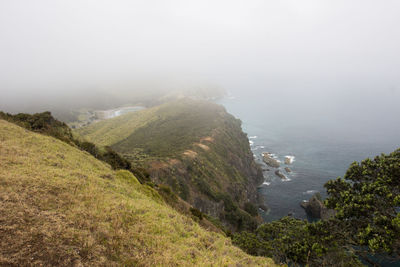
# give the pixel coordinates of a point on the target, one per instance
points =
(280, 175)
(270, 161)
(316, 208)
(287, 169)
(288, 160)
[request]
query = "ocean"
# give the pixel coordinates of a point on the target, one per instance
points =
(323, 140)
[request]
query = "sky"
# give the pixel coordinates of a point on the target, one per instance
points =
(292, 49)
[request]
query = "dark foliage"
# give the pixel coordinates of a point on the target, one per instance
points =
(367, 201)
(298, 242)
(251, 209)
(115, 160)
(184, 192)
(142, 174)
(204, 188)
(235, 216)
(90, 148)
(43, 123)
(367, 222)
(195, 212)
(166, 192)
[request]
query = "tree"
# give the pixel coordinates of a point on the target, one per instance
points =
(367, 221)
(367, 202)
(297, 242)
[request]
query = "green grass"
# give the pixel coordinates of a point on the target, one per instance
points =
(211, 156)
(163, 130)
(61, 206)
(108, 132)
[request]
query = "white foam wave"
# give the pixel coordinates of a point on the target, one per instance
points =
(266, 183)
(310, 192)
(251, 142)
(253, 137)
(289, 159)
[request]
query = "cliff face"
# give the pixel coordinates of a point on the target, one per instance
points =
(196, 148)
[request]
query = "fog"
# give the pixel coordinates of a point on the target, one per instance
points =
(309, 55)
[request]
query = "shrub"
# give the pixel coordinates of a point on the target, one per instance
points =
(298, 242)
(115, 160)
(167, 193)
(251, 209)
(142, 174)
(195, 212)
(90, 148)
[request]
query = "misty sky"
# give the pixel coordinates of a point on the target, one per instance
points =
(289, 48)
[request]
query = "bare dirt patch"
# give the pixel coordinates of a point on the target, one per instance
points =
(204, 147)
(157, 165)
(173, 162)
(207, 139)
(190, 153)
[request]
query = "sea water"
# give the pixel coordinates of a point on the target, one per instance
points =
(320, 142)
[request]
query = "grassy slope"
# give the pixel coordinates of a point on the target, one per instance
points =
(109, 132)
(61, 206)
(162, 131)
(221, 164)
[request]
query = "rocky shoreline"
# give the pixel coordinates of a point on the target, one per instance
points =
(270, 160)
(316, 208)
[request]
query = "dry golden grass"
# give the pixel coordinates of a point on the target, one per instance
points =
(60, 206)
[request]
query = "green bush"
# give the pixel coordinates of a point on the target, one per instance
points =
(251, 244)
(90, 148)
(167, 193)
(141, 173)
(367, 202)
(251, 209)
(367, 222)
(115, 160)
(294, 241)
(43, 123)
(195, 212)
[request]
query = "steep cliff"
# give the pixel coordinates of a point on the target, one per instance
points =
(196, 148)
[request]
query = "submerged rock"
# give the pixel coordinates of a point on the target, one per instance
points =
(287, 169)
(316, 208)
(270, 161)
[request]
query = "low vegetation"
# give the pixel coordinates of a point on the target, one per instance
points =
(197, 149)
(70, 202)
(366, 226)
(367, 202)
(61, 206)
(45, 123)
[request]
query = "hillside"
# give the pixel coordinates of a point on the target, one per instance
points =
(196, 148)
(61, 206)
